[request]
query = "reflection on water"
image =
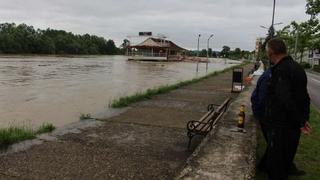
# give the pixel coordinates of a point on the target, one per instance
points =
(40, 89)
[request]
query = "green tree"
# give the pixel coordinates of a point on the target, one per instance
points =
(214, 54)
(300, 37)
(123, 47)
(313, 7)
(225, 52)
(237, 53)
(25, 39)
(203, 53)
(210, 52)
(111, 47)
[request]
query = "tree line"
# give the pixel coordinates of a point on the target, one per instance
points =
(304, 35)
(226, 52)
(24, 39)
(236, 54)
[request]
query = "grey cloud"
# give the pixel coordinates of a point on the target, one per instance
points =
(234, 22)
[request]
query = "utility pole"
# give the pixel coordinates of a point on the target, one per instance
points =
(296, 45)
(271, 30)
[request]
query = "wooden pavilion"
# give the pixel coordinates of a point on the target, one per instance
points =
(155, 49)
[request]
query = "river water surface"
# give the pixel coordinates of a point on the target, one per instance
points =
(37, 89)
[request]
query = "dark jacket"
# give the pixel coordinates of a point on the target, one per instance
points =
(288, 102)
(258, 96)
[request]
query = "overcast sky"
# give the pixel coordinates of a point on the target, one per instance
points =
(233, 22)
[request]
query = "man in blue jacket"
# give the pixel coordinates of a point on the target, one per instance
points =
(258, 101)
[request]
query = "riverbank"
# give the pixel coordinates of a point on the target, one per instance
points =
(146, 141)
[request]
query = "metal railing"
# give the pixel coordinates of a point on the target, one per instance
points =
(147, 54)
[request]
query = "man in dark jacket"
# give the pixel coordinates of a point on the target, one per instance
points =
(287, 109)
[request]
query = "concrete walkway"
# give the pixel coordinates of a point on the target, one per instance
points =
(147, 141)
(225, 154)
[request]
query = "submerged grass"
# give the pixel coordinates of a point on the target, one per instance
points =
(13, 135)
(139, 96)
(308, 155)
(45, 128)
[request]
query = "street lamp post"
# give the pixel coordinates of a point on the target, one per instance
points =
(208, 52)
(273, 11)
(198, 45)
(208, 45)
(296, 45)
(198, 52)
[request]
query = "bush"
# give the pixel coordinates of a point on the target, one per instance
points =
(316, 68)
(305, 65)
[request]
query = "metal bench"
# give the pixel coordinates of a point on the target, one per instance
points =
(206, 122)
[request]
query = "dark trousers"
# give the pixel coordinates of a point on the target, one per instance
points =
(282, 147)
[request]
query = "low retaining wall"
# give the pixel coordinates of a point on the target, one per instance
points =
(224, 154)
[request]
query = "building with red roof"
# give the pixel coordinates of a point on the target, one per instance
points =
(155, 49)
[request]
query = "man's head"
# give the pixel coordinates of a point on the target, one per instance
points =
(276, 50)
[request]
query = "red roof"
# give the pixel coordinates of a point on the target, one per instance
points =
(158, 43)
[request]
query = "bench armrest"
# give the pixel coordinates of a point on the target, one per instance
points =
(194, 124)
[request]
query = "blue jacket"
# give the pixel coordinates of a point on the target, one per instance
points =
(258, 97)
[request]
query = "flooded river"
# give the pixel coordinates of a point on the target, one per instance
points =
(37, 89)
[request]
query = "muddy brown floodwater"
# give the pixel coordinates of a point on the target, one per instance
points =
(37, 89)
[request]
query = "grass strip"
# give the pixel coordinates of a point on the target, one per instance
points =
(308, 154)
(13, 135)
(140, 96)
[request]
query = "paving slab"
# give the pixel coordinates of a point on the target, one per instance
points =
(164, 117)
(115, 150)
